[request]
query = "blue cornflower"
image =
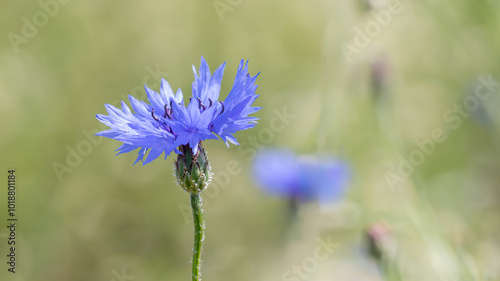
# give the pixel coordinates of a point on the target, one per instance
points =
(305, 178)
(165, 123)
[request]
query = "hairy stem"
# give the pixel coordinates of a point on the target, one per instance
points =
(199, 233)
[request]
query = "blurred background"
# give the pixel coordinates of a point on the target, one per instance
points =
(403, 91)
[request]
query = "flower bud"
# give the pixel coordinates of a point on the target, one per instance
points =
(192, 171)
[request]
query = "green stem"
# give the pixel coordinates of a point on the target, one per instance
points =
(199, 233)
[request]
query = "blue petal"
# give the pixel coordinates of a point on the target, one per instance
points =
(180, 113)
(178, 97)
(140, 155)
(205, 86)
(155, 100)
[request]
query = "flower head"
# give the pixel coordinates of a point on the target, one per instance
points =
(306, 178)
(165, 123)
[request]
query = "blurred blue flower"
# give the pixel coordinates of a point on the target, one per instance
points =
(282, 173)
(165, 123)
